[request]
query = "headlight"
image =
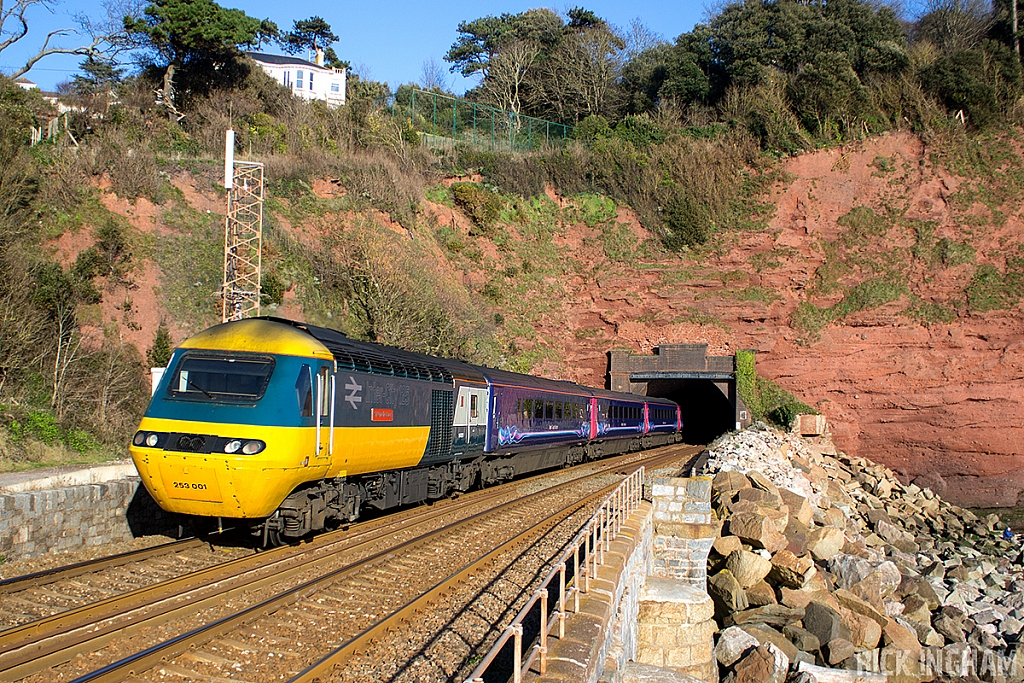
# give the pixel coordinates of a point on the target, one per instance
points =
(232, 446)
(139, 438)
(252, 447)
(151, 440)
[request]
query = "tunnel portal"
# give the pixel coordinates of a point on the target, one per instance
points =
(703, 386)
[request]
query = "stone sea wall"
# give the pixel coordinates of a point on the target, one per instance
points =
(34, 523)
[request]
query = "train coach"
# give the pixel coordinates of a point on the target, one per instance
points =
(294, 428)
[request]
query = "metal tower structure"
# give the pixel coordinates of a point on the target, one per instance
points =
(243, 235)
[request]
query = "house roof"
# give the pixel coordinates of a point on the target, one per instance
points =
(281, 60)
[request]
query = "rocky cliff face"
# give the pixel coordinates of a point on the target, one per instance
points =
(861, 295)
(916, 379)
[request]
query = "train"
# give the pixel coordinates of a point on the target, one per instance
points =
(290, 428)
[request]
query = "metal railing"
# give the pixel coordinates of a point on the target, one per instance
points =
(590, 546)
(443, 120)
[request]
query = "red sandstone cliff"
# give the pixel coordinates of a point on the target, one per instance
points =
(939, 401)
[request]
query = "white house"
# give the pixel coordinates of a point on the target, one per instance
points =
(308, 80)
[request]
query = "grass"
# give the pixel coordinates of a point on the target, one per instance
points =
(192, 261)
(992, 290)
(928, 312)
(872, 293)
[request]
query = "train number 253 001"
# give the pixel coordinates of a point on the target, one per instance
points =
(187, 485)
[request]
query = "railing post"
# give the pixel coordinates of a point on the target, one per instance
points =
(517, 653)
(543, 631)
(561, 601)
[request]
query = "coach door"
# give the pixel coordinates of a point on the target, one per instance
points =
(470, 419)
(325, 413)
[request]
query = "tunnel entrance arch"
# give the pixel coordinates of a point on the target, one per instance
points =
(703, 386)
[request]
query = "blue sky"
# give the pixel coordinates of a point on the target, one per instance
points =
(383, 40)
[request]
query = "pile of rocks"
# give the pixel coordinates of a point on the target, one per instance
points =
(827, 564)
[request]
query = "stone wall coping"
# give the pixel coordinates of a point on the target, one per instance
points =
(65, 476)
(658, 589)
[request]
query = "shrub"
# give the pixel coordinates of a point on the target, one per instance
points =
(159, 354)
(594, 127)
(765, 399)
(480, 204)
(272, 289)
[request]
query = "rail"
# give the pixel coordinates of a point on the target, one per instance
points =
(592, 542)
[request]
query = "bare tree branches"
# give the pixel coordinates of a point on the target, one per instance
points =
(14, 23)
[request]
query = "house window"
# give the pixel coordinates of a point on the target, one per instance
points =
(335, 87)
(298, 79)
(287, 79)
(310, 80)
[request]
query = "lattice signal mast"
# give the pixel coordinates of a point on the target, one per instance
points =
(243, 235)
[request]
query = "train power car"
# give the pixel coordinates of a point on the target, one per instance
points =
(294, 428)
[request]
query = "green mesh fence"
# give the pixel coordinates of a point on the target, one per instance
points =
(442, 121)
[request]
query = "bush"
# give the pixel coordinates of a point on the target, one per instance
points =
(159, 355)
(480, 204)
(765, 399)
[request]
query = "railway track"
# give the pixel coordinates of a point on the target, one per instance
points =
(271, 616)
(42, 594)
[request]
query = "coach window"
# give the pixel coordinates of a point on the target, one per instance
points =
(558, 410)
(549, 409)
(472, 406)
(527, 408)
(538, 409)
(304, 391)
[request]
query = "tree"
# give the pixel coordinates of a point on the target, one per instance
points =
(159, 354)
(196, 36)
(267, 32)
(14, 27)
(954, 25)
(483, 39)
(95, 85)
(433, 76)
(309, 34)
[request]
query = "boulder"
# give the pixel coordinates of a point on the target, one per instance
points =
(860, 606)
(761, 594)
(799, 507)
(789, 570)
(901, 638)
(837, 651)
(724, 545)
(733, 644)
(761, 498)
(773, 615)
(727, 593)
(950, 628)
(758, 530)
(728, 481)
(766, 634)
(748, 568)
(872, 581)
(825, 542)
(802, 638)
(890, 533)
(796, 536)
(824, 622)
(763, 483)
(764, 664)
(864, 631)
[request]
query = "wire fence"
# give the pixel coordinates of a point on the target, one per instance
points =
(442, 121)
